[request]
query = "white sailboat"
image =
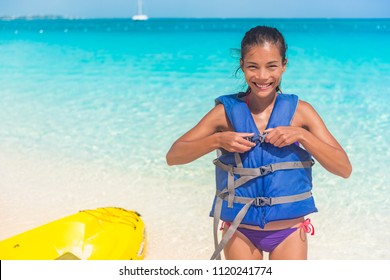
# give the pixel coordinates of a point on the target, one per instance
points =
(140, 15)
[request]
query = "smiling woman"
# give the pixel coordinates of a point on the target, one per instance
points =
(266, 142)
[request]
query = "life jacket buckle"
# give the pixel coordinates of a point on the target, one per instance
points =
(251, 139)
(262, 137)
(259, 138)
(264, 170)
(263, 201)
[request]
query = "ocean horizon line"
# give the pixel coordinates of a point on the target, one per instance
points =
(53, 23)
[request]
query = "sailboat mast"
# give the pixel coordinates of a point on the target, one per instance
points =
(140, 15)
(140, 7)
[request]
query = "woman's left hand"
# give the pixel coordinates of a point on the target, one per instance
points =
(282, 136)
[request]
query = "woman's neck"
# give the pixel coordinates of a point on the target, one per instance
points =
(259, 105)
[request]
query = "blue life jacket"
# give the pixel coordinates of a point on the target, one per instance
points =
(266, 183)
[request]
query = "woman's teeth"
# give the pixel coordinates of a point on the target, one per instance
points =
(263, 86)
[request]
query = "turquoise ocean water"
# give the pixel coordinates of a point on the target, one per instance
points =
(111, 95)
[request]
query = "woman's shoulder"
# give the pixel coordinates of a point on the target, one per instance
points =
(216, 118)
(305, 114)
(305, 107)
(231, 97)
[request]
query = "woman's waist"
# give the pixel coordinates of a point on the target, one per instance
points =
(275, 225)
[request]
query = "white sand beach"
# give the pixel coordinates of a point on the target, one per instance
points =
(38, 190)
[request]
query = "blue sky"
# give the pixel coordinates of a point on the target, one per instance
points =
(200, 8)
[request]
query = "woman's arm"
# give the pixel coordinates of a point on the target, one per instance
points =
(308, 129)
(212, 132)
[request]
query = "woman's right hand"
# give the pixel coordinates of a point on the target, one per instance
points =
(235, 142)
(212, 132)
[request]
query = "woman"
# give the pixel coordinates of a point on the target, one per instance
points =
(267, 140)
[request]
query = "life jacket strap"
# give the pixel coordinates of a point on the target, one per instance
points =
(266, 201)
(263, 170)
(232, 228)
(247, 174)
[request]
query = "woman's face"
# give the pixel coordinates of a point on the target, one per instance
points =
(263, 67)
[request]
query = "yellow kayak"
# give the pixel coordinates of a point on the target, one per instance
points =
(102, 234)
